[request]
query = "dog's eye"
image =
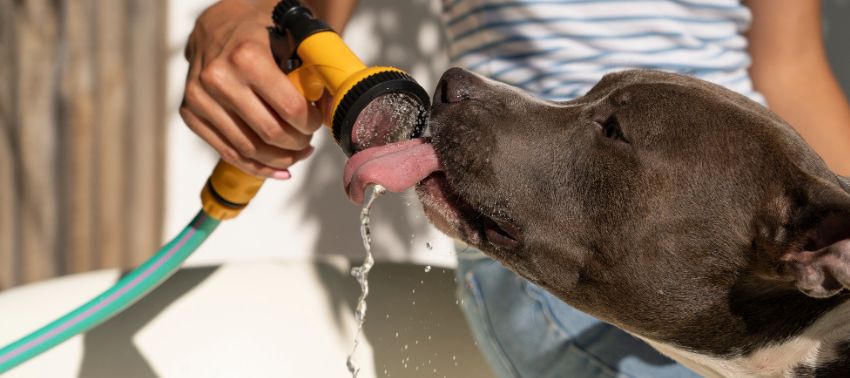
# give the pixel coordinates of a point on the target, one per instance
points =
(611, 128)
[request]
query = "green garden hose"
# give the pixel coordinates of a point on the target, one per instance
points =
(111, 302)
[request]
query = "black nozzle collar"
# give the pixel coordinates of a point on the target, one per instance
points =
(368, 89)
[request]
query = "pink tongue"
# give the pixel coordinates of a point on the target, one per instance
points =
(396, 166)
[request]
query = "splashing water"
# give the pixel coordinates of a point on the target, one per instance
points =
(361, 273)
(390, 118)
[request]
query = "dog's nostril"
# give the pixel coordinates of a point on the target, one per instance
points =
(454, 86)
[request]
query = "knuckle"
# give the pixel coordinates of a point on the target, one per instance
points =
(192, 95)
(213, 75)
(246, 149)
(271, 134)
(231, 156)
(186, 115)
(295, 106)
(246, 54)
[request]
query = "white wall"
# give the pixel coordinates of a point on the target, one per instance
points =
(309, 215)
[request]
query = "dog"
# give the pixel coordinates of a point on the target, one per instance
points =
(677, 210)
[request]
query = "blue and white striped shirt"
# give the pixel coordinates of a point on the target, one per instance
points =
(559, 48)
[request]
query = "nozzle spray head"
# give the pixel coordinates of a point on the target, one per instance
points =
(372, 105)
(383, 108)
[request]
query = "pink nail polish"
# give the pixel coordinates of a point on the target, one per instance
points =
(282, 175)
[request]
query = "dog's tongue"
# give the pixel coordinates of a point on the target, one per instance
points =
(396, 166)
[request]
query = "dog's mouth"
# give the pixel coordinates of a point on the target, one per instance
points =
(456, 216)
(400, 166)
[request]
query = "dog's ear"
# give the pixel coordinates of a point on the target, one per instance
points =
(817, 259)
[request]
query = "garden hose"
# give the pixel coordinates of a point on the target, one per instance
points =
(127, 291)
(320, 62)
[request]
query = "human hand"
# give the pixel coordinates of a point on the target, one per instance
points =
(236, 97)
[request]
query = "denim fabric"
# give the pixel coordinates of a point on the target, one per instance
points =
(523, 331)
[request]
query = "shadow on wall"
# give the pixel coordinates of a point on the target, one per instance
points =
(407, 35)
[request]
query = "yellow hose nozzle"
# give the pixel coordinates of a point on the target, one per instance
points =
(321, 62)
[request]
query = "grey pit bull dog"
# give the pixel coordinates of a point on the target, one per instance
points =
(675, 209)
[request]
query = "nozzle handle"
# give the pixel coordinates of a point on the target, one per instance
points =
(229, 190)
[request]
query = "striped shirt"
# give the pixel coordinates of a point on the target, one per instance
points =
(559, 49)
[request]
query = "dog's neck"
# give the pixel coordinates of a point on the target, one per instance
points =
(823, 348)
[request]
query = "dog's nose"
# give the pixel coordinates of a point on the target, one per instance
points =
(455, 86)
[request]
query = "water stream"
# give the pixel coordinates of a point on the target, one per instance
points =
(361, 273)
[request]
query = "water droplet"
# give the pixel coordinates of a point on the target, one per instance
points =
(427, 268)
(429, 246)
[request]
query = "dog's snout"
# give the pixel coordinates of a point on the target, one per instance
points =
(455, 85)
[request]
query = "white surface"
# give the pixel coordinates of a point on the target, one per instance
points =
(260, 319)
(309, 215)
(30, 307)
(236, 323)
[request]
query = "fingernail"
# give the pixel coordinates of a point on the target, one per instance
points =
(281, 175)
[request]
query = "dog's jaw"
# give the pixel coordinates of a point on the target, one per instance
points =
(445, 210)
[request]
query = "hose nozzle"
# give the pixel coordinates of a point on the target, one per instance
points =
(371, 105)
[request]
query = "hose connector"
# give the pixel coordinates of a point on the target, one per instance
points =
(228, 191)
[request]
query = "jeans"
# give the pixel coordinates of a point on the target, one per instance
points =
(523, 331)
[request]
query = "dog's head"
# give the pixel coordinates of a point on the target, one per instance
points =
(657, 202)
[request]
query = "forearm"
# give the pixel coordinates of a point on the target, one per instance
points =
(807, 95)
(791, 69)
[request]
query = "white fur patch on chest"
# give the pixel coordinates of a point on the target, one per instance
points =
(814, 347)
